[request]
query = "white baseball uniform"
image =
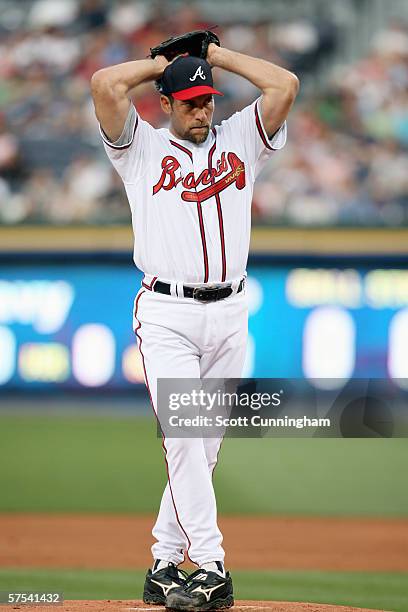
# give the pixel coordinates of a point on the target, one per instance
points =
(191, 216)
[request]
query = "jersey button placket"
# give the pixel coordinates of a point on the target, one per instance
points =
(219, 208)
(201, 223)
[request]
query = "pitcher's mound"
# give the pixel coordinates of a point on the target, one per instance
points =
(139, 606)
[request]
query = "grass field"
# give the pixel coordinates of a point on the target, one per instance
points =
(374, 590)
(68, 463)
(113, 463)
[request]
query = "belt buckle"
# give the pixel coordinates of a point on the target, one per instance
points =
(206, 294)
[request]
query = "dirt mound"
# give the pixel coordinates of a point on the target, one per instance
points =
(109, 541)
(139, 606)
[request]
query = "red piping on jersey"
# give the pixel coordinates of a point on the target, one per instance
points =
(200, 216)
(150, 287)
(139, 325)
(179, 146)
(219, 209)
(121, 147)
(203, 242)
(216, 459)
(261, 130)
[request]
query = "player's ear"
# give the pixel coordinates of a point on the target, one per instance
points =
(166, 102)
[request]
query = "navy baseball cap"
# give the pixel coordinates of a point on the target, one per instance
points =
(187, 77)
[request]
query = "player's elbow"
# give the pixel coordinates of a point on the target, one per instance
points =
(285, 90)
(105, 87)
(291, 87)
(99, 81)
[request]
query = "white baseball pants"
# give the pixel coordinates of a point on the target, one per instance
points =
(183, 338)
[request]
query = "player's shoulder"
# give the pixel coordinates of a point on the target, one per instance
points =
(154, 136)
(163, 133)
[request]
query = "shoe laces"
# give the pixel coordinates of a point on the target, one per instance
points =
(175, 572)
(194, 578)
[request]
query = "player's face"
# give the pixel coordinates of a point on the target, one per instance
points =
(191, 119)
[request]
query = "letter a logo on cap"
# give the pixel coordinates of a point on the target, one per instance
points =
(198, 73)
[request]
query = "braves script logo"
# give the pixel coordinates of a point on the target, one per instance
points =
(170, 178)
(198, 73)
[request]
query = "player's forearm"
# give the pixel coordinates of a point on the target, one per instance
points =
(263, 74)
(122, 78)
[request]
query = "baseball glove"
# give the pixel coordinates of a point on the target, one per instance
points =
(194, 43)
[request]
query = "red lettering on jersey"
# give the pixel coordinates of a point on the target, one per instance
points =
(236, 175)
(169, 165)
(204, 178)
(188, 181)
(221, 165)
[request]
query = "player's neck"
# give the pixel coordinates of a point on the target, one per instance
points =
(174, 133)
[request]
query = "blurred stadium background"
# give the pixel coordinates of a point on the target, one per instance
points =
(328, 273)
(345, 163)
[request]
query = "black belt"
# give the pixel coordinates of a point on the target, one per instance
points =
(210, 293)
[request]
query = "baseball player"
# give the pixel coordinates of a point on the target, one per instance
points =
(189, 188)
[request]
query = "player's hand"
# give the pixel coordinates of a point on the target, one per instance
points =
(211, 53)
(161, 62)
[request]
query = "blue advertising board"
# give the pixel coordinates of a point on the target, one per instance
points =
(69, 325)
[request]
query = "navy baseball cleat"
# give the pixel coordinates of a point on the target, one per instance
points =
(202, 590)
(159, 584)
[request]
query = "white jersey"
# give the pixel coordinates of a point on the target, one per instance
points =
(191, 204)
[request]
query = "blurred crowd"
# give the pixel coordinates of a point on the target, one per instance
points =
(345, 162)
(347, 156)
